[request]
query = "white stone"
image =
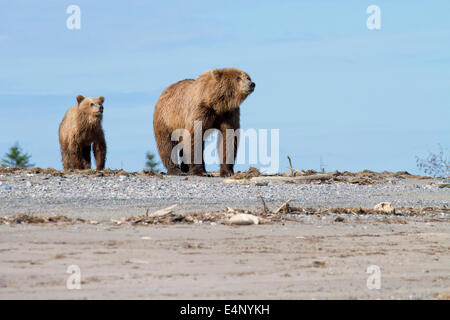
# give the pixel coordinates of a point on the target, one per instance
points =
(244, 219)
(163, 212)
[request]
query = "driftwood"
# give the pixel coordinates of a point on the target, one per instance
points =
(265, 208)
(283, 207)
(264, 180)
(312, 178)
(293, 171)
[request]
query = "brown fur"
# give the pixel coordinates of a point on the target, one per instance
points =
(80, 130)
(213, 98)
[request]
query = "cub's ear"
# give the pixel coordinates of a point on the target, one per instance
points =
(80, 98)
(216, 73)
(102, 99)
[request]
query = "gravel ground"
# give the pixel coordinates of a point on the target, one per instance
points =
(103, 198)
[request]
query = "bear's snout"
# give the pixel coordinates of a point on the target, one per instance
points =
(252, 86)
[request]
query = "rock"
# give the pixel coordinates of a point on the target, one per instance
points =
(163, 212)
(319, 264)
(4, 186)
(339, 219)
(385, 207)
(118, 222)
(29, 184)
(244, 219)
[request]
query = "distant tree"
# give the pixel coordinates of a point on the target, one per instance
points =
(150, 162)
(17, 158)
(436, 164)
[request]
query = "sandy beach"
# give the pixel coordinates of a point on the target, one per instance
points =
(302, 256)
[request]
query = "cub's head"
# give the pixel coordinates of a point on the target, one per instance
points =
(91, 107)
(229, 85)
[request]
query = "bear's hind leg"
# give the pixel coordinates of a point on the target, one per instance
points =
(165, 152)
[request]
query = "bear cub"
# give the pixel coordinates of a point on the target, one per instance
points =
(80, 131)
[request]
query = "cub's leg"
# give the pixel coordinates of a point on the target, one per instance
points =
(86, 162)
(99, 148)
(65, 156)
(76, 156)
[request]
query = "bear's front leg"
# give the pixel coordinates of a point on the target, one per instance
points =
(226, 170)
(196, 170)
(227, 145)
(197, 163)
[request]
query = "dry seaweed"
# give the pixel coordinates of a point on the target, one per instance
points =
(36, 219)
(283, 213)
(250, 173)
(364, 177)
(89, 172)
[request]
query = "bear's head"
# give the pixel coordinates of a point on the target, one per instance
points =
(229, 85)
(92, 108)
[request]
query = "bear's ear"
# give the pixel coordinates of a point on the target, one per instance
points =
(80, 98)
(102, 99)
(216, 73)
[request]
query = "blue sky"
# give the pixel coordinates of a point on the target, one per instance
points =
(358, 98)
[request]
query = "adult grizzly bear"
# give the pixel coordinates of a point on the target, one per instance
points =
(81, 127)
(210, 102)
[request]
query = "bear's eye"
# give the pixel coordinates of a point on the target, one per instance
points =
(92, 104)
(238, 79)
